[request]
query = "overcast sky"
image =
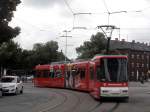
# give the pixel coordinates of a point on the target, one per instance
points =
(45, 20)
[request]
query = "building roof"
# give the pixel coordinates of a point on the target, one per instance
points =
(116, 44)
(108, 56)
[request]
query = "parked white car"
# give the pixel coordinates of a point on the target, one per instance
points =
(11, 84)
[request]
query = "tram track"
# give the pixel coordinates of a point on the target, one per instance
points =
(114, 107)
(95, 107)
(46, 107)
(99, 106)
(62, 105)
(77, 104)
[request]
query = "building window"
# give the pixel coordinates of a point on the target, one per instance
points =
(142, 73)
(147, 65)
(137, 64)
(147, 57)
(132, 74)
(138, 56)
(132, 56)
(142, 56)
(132, 64)
(142, 65)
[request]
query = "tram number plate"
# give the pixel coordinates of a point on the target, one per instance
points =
(115, 92)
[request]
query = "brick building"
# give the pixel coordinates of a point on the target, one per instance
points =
(138, 57)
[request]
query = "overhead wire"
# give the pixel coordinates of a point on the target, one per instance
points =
(69, 7)
(90, 13)
(67, 4)
(106, 6)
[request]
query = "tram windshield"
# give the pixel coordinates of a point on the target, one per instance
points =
(112, 70)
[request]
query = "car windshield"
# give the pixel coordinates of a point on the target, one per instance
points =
(8, 80)
(112, 70)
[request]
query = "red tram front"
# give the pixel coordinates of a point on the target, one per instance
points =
(110, 76)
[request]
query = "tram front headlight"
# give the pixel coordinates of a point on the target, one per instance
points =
(105, 91)
(124, 91)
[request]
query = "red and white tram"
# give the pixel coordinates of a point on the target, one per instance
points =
(103, 76)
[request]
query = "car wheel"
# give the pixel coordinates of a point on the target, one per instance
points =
(21, 91)
(1, 93)
(16, 91)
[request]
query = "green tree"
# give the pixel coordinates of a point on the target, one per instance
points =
(96, 44)
(6, 13)
(14, 58)
(44, 53)
(10, 54)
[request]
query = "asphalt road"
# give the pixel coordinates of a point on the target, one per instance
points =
(60, 100)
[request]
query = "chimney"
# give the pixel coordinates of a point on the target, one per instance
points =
(138, 42)
(133, 41)
(123, 40)
(116, 39)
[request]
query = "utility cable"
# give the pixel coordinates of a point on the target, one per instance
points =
(69, 7)
(106, 6)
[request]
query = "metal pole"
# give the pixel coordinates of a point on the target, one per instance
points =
(108, 36)
(66, 47)
(108, 44)
(66, 43)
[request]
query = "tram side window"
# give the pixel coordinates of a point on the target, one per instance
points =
(101, 72)
(58, 74)
(68, 74)
(51, 74)
(45, 74)
(38, 74)
(74, 72)
(78, 71)
(98, 73)
(82, 74)
(91, 73)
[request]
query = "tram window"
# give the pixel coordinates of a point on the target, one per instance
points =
(58, 73)
(91, 73)
(38, 74)
(82, 75)
(99, 73)
(52, 74)
(78, 71)
(45, 74)
(74, 72)
(67, 75)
